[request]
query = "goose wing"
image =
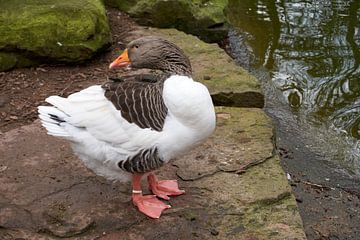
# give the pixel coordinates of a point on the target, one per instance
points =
(139, 102)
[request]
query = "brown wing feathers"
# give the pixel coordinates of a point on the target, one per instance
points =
(139, 102)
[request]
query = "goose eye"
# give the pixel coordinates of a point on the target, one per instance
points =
(136, 46)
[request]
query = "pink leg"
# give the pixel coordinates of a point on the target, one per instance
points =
(149, 204)
(164, 188)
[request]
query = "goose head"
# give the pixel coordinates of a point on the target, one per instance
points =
(154, 53)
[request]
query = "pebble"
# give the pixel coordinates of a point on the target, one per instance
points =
(81, 75)
(207, 77)
(3, 168)
(4, 100)
(214, 232)
(41, 69)
(288, 176)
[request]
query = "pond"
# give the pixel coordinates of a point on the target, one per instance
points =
(307, 55)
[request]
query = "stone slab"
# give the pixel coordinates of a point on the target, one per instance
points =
(235, 189)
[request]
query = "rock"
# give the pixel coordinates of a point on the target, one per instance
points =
(37, 31)
(20, 234)
(242, 139)
(67, 226)
(12, 216)
(7, 61)
(229, 85)
(205, 19)
(4, 100)
(256, 204)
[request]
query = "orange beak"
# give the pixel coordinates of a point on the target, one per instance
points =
(122, 61)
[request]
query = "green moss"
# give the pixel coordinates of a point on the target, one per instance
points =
(277, 220)
(124, 5)
(213, 9)
(205, 19)
(12, 60)
(7, 61)
(190, 215)
(66, 31)
(23, 61)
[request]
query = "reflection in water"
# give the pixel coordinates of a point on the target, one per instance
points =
(312, 51)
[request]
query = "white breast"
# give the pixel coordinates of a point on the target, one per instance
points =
(191, 116)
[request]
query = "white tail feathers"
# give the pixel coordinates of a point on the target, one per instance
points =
(53, 120)
(67, 116)
(60, 103)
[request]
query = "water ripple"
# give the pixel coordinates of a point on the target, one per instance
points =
(312, 49)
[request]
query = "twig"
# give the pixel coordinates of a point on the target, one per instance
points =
(242, 169)
(316, 185)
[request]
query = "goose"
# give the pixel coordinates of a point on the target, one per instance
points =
(125, 129)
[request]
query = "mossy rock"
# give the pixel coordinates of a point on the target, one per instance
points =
(205, 19)
(236, 182)
(35, 31)
(7, 61)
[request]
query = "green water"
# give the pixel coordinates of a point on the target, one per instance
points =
(312, 51)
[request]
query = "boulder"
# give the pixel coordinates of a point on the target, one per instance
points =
(36, 31)
(205, 19)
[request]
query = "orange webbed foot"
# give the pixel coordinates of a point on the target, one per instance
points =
(149, 205)
(164, 188)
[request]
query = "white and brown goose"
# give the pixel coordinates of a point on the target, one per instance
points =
(134, 126)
